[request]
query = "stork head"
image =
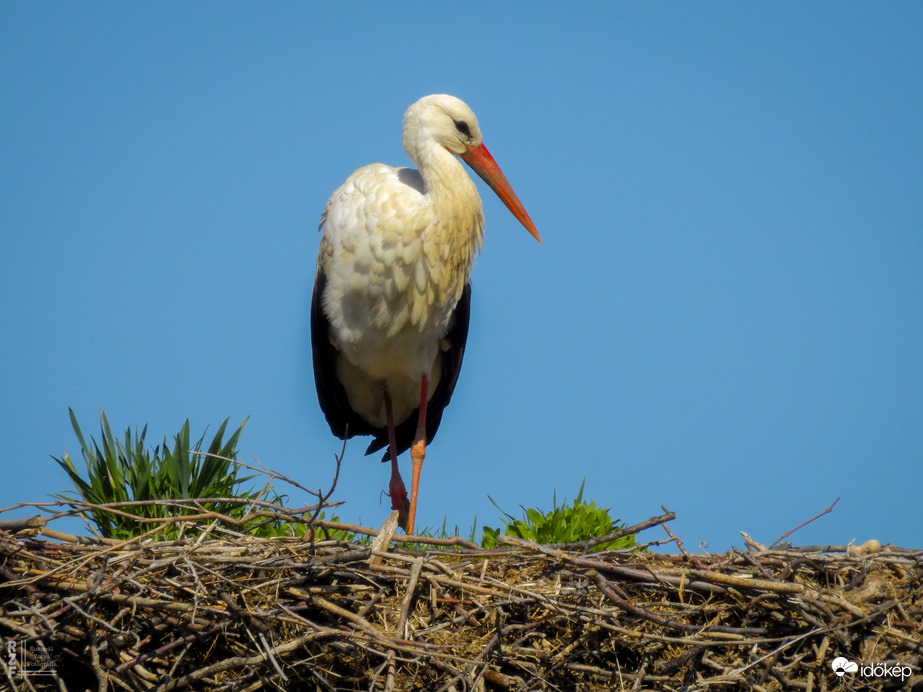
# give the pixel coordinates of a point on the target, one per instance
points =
(448, 122)
(443, 119)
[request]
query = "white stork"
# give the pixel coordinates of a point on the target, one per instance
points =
(389, 315)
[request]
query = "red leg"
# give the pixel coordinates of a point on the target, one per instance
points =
(418, 452)
(396, 487)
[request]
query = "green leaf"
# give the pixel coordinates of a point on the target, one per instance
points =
(126, 469)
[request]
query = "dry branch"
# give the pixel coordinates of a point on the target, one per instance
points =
(243, 613)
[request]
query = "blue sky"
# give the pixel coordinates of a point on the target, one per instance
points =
(726, 316)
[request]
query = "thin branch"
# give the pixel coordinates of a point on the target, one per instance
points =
(610, 591)
(804, 523)
(33, 522)
(273, 475)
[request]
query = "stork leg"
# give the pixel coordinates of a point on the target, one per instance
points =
(418, 452)
(396, 487)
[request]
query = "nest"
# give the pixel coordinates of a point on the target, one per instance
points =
(242, 613)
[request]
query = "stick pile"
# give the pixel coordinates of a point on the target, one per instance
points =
(242, 613)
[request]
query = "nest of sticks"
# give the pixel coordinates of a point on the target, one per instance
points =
(234, 612)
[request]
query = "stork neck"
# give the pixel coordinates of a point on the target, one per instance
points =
(443, 173)
(453, 197)
(455, 229)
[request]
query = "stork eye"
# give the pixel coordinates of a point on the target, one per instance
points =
(463, 128)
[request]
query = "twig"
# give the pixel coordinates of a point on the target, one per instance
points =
(615, 535)
(804, 523)
(273, 475)
(682, 548)
(609, 590)
(169, 646)
(381, 542)
(34, 522)
(408, 597)
(336, 477)
(272, 659)
(244, 661)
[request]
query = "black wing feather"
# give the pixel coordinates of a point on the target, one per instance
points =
(343, 421)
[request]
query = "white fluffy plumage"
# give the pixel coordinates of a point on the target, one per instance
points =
(397, 249)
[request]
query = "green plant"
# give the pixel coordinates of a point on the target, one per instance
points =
(126, 471)
(563, 524)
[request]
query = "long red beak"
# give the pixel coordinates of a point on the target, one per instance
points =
(484, 165)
